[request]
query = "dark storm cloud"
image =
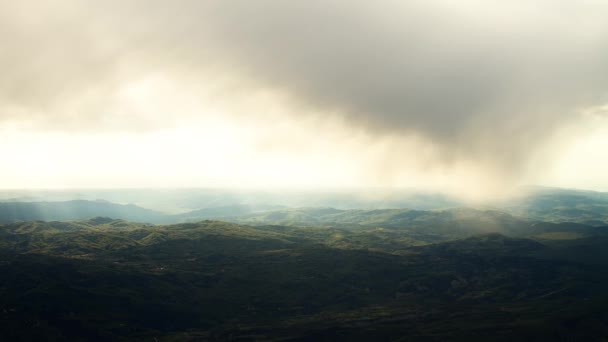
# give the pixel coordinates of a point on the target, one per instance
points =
(473, 77)
(487, 80)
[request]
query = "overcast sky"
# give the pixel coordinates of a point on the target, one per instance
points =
(468, 97)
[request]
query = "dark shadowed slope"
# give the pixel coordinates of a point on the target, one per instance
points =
(105, 279)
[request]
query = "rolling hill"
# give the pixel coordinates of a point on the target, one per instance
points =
(108, 279)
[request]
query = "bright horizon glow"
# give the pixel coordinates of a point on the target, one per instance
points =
(274, 151)
(234, 95)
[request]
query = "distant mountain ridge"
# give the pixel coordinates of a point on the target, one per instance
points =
(75, 210)
(538, 205)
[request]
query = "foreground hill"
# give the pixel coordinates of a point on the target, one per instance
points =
(108, 279)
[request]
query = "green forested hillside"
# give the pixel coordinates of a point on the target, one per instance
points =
(107, 279)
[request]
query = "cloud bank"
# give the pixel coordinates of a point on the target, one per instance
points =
(484, 83)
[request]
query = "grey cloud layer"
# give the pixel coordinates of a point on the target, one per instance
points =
(485, 80)
(466, 75)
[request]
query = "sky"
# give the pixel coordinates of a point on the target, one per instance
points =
(469, 97)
